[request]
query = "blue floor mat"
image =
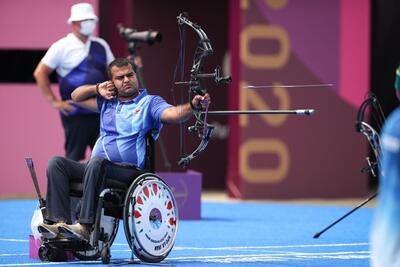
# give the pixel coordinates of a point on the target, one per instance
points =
(234, 234)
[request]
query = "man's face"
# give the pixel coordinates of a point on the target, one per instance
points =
(125, 80)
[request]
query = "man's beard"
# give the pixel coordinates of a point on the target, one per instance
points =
(133, 91)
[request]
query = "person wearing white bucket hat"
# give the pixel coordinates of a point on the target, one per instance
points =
(78, 58)
(82, 11)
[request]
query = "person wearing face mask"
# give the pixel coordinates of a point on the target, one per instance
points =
(78, 58)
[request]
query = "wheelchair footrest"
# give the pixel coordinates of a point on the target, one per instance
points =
(36, 244)
(69, 244)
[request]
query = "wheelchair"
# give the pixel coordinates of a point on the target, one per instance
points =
(147, 208)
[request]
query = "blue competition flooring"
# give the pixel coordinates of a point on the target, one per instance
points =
(229, 234)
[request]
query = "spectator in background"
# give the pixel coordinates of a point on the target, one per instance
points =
(385, 236)
(78, 58)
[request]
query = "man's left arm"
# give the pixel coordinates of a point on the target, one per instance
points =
(181, 113)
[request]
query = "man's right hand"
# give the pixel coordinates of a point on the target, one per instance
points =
(65, 107)
(107, 90)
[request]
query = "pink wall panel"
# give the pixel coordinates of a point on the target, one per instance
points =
(34, 24)
(30, 127)
(354, 61)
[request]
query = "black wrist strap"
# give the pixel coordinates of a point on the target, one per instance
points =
(97, 88)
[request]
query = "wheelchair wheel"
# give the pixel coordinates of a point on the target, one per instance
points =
(109, 229)
(52, 254)
(42, 253)
(150, 218)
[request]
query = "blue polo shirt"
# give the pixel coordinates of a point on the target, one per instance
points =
(124, 125)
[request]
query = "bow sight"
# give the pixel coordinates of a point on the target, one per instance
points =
(201, 127)
(203, 49)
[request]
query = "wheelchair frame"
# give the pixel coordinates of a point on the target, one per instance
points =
(116, 202)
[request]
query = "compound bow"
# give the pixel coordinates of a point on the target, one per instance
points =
(201, 127)
(371, 103)
(203, 49)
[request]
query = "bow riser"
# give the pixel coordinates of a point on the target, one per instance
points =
(203, 49)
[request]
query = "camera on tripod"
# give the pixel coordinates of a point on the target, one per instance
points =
(132, 35)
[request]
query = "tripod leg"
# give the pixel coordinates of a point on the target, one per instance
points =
(344, 216)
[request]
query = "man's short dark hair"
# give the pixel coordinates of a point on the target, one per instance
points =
(119, 62)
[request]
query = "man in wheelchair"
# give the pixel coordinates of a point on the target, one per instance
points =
(127, 114)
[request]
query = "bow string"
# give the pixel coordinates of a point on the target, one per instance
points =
(203, 49)
(203, 129)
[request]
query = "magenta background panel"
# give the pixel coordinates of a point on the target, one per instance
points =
(31, 127)
(354, 55)
(35, 24)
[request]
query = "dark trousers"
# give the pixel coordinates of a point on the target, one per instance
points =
(80, 131)
(61, 172)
